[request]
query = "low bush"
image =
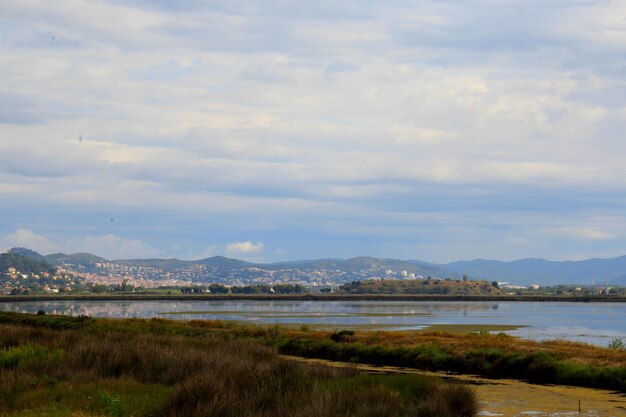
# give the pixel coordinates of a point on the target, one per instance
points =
(342, 336)
(618, 345)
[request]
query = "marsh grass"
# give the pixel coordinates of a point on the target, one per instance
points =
(114, 398)
(60, 366)
(495, 356)
(541, 366)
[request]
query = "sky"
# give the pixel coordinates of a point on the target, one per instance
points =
(283, 130)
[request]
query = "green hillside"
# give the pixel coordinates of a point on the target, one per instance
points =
(24, 264)
(428, 286)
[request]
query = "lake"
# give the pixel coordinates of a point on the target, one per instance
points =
(596, 323)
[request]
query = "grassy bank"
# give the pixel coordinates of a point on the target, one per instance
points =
(64, 366)
(500, 361)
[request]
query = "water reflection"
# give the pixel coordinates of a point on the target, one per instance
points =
(596, 323)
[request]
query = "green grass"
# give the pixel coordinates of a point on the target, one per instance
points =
(112, 398)
(406, 385)
(28, 355)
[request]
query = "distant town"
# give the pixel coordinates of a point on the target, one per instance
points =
(23, 271)
(151, 277)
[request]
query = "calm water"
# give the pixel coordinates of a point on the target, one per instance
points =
(596, 323)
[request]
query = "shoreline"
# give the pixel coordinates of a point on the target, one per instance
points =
(314, 297)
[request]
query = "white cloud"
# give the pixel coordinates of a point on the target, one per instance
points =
(246, 247)
(581, 232)
(107, 246)
(114, 247)
(28, 239)
(209, 251)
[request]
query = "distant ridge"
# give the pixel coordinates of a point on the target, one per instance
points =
(173, 263)
(75, 258)
(26, 252)
(523, 271)
(26, 262)
(339, 264)
(533, 270)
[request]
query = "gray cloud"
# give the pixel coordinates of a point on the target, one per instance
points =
(18, 110)
(416, 125)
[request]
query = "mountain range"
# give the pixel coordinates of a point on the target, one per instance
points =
(541, 271)
(219, 268)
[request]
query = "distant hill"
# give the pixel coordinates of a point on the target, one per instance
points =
(24, 264)
(82, 262)
(75, 258)
(223, 262)
(541, 271)
(173, 263)
(165, 264)
(27, 253)
(226, 270)
(366, 263)
(448, 287)
(344, 266)
(222, 269)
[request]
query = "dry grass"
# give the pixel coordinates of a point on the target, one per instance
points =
(582, 353)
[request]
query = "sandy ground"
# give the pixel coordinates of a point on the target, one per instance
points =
(511, 398)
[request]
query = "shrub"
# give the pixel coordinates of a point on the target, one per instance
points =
(454, 400)
(342, 336)
(617, 344)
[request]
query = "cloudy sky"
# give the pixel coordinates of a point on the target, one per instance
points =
(280, 130)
